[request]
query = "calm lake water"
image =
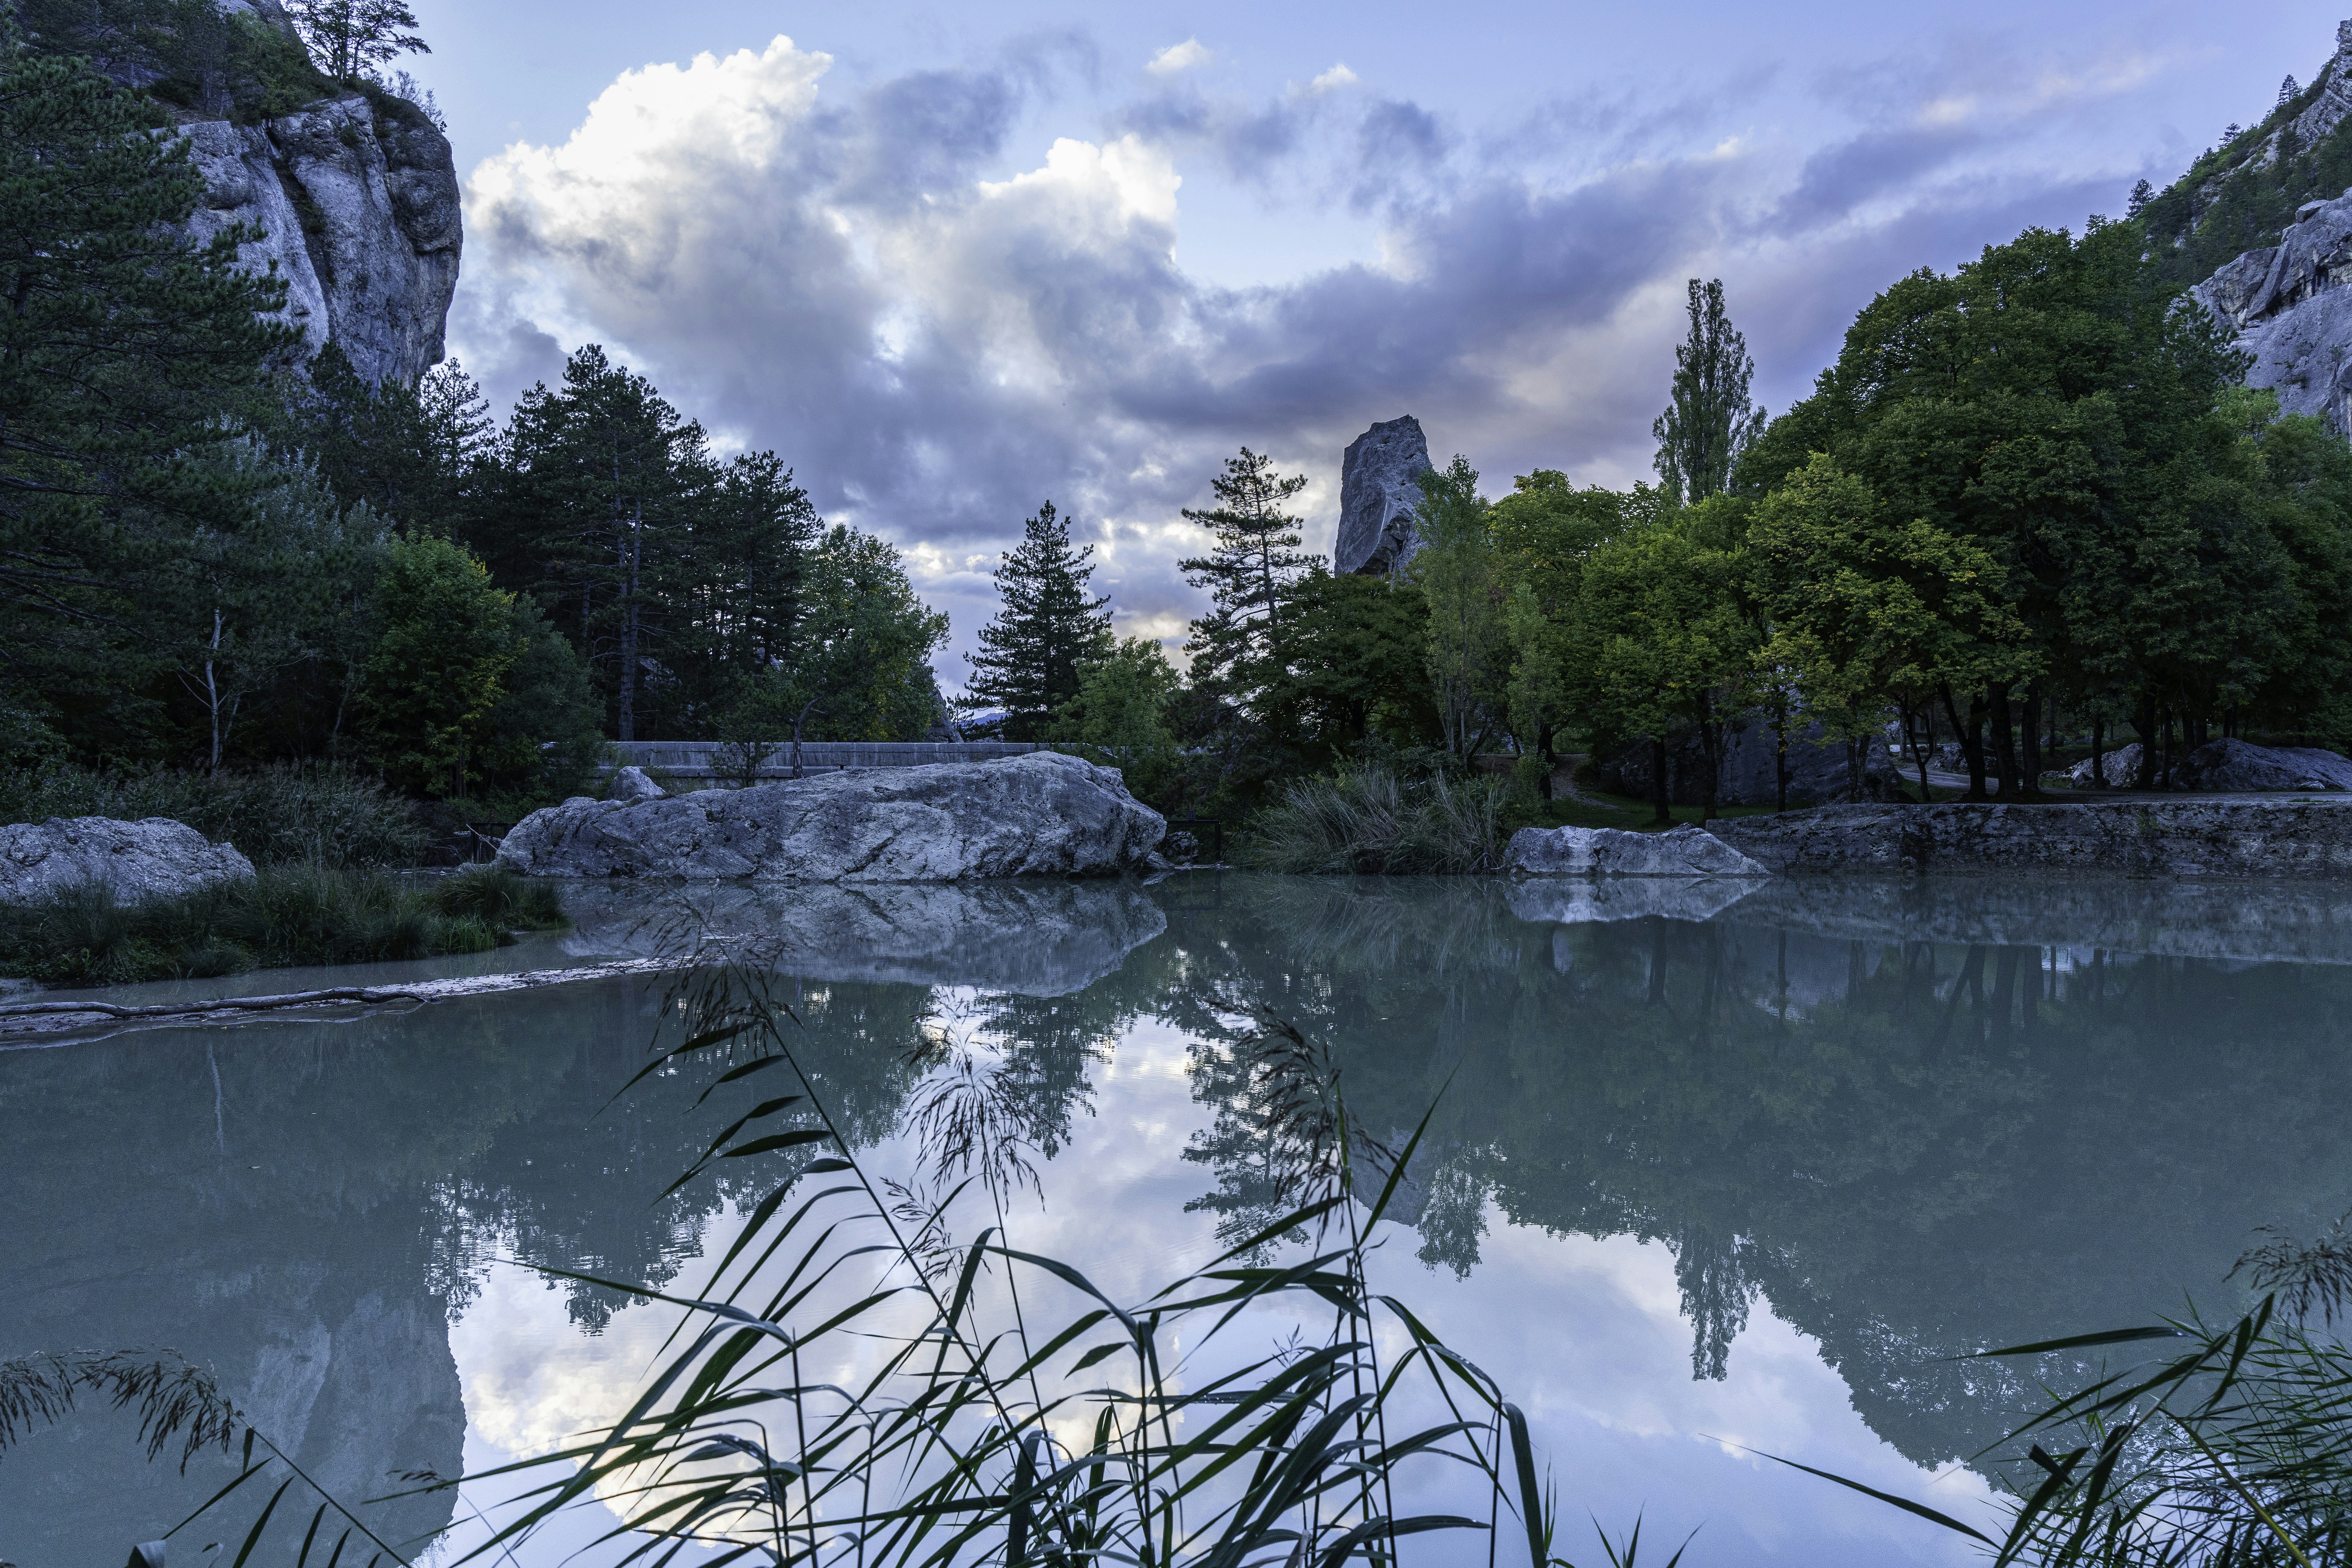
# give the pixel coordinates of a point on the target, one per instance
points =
(1708, 1177)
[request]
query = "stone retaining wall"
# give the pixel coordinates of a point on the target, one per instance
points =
(2128, 837)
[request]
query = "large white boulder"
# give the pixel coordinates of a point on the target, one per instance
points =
(1684, 851)
(155, 858)
(1041, 815)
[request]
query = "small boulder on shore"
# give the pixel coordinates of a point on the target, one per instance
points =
(1684, 851)
(154, 858)
(1043, 814)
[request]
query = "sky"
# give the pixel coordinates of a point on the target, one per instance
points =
(951, 262)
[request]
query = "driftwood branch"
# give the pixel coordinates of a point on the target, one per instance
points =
(216, 1004)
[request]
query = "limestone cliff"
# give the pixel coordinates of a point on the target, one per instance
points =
(2287, 305)
(358, 203)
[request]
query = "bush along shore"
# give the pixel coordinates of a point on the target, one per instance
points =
(298, 914)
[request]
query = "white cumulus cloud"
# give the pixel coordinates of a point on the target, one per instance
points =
(1331, 80)
(1178, 57)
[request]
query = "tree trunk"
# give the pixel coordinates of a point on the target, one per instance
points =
(1971, 738)
(2004, 740)
(1710, 749)
(1660, 795)
(2030, 765)
(2143, 721)
(1780, 753)
(1919, 744)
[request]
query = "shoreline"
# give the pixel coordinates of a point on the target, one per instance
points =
(2143, 836)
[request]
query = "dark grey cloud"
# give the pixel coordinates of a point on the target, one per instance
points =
(829, 273)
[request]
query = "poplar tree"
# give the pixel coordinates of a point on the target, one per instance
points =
(1249, 575)
(1709, 420)
(1033, 654)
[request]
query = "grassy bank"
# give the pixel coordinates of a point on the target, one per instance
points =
(305, 914)
(290, 814)
(1370, 821)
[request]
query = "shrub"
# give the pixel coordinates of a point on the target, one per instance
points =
(297, 813)
(1369, 820)
(306, 914)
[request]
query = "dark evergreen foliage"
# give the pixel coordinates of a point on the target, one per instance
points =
(1032, 654)
(1240, 643)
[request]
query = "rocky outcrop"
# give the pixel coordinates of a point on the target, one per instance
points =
(357, 201)
(2231, 765)
(2118, 767)
(2142, 838)
(155, 858)
(1748, 775)
(1378, 491)
(2288, 311)
(634, 783)
(1042, 814)
(1683, 852)
(1031, 938)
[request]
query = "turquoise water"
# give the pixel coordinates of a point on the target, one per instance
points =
(1706, 1175)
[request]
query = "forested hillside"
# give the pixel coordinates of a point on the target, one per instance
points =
(218, 549)
(2242, 193)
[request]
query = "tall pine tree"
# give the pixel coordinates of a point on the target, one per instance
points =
(1239, 644)
(1709, 421)
(1050, 626)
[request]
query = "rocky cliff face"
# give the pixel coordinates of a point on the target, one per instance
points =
(1378, 489)
(2287, 306)
(358, 203)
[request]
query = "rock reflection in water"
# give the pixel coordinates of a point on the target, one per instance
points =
(1035, 938)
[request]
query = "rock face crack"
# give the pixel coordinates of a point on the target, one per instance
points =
(357, 206)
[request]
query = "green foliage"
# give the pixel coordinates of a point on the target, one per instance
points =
(124, 358)
(1240, 645)
(1049, 628)
(1665, 636)
(1120, 717)
(1457, 574)
(352, 39)
(290, 814)
(1370, 820)
(1358, 665)
(297, 914)
(1709, 419)
(444, 640)
(195, 55)
(1863, 609)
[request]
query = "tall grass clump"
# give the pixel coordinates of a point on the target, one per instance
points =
(1369, 820)
(1000, 1405)
(308, 914)
(877, 1373)
(2236, 1452)
(307, 813)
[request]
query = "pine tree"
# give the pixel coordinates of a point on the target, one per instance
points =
(1709, 421)
(1239, 643)
(2141, 195)
(2288, 91)
(604, 480)
(1032, 655)
(352, 39)
(126, 353)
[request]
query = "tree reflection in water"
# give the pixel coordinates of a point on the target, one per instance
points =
(1908, 1143)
